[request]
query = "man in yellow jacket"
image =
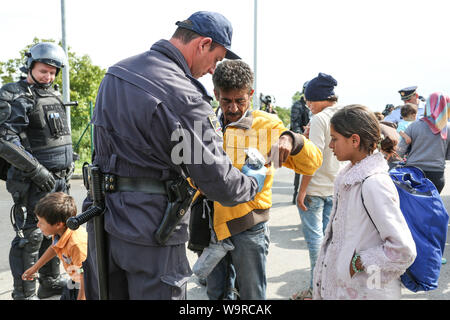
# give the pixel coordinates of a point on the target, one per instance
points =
(245, 225)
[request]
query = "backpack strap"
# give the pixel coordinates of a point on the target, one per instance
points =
(365, 208)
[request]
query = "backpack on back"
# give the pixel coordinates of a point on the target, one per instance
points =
(427, 220)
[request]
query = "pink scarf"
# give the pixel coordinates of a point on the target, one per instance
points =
(437, 113)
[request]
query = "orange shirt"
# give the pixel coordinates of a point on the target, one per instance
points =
(71, 249)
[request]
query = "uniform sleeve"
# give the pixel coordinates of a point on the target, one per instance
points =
(13, 121)
(398, 250)
(206, 161)
(5, 107)
(295, 118)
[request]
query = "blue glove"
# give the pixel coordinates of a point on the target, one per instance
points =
(258, 174)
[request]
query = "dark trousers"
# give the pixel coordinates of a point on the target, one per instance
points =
(70, 294)
(25, 252)
(438, 179)
(137, 272)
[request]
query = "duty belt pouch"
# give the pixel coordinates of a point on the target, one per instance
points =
(180, 195)
(200, 222)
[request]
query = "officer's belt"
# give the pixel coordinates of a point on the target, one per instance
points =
(61, 173)
(115, 183)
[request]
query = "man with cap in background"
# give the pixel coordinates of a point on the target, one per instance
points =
(408, 95)
(151, 114)
(315, 195)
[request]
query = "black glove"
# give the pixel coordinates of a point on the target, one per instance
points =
(42, 178)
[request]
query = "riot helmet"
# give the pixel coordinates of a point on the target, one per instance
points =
(48, 53)
(304, 86)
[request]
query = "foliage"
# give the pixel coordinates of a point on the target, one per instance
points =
(84, 78)
(285, 115)
(296, 97)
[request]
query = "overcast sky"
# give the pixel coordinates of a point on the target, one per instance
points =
(372, 48)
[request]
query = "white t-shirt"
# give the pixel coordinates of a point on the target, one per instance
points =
(322, 182)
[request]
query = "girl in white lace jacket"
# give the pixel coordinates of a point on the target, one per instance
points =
(358, 260)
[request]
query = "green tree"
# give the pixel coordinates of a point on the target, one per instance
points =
(85, 78)
(284, 114)
(296, 97)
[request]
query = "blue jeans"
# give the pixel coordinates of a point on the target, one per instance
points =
(244, 266)
(314, 223)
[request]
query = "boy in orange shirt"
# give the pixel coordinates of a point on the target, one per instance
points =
(52, 212)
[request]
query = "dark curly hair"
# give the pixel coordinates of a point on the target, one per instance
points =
(358, 119)
(233, 74)
(56, 207)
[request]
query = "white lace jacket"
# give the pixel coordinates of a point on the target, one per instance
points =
(385, 254)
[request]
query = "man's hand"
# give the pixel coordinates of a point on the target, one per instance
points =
(42, 178)
(281, 150)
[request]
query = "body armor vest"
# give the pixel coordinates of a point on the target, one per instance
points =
(48, 127)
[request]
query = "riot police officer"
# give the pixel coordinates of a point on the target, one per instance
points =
(36, 144)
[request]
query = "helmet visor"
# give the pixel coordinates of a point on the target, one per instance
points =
(49, 53)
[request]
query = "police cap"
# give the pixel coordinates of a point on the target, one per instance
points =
(407, 93)
(212, 25)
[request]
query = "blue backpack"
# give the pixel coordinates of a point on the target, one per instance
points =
(427, 220)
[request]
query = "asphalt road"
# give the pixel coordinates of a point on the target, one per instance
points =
(287, 261)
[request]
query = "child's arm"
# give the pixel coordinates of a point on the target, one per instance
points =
(46, 257)
(81, 295)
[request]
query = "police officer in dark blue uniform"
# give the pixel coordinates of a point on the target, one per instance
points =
(153, 122)
(36, 146)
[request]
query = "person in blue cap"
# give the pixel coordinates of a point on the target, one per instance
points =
(407, 95)
(153, 123)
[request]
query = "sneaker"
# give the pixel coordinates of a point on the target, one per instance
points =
(302, 295)
(444, 261)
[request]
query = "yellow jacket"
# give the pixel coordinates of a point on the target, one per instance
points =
(260, 130)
